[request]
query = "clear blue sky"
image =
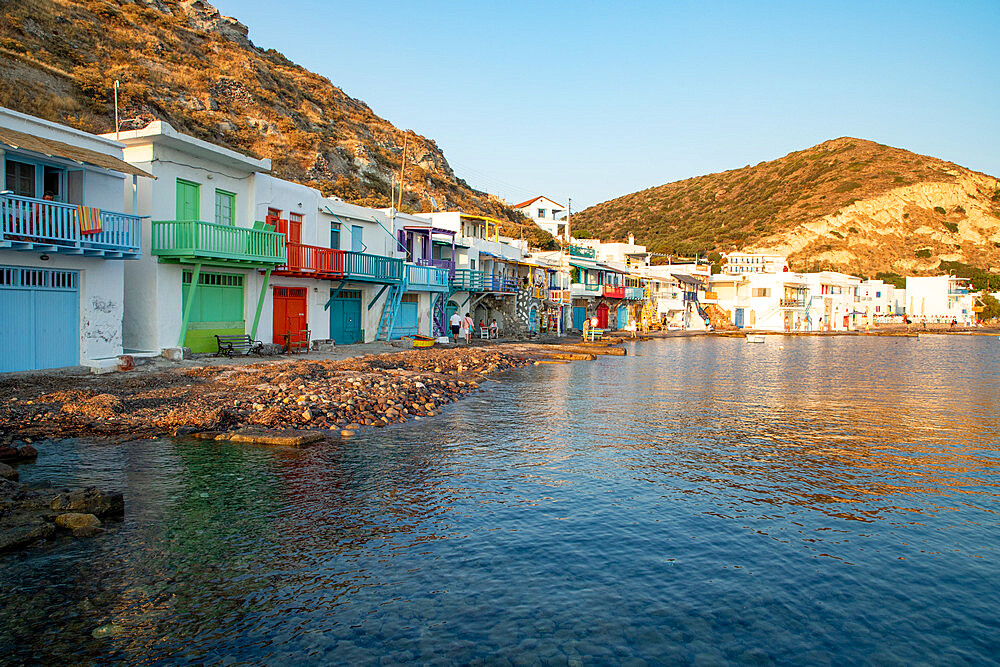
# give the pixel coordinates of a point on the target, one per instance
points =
(592, 100)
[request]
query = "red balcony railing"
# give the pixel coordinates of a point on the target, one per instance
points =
(310, 261)
(614, 291)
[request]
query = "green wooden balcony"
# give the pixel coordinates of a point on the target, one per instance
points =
(214, 243)
(364, 267)
(577, 251)
(467, 280)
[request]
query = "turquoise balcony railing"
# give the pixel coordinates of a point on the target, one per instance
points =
(576, 251)
(198, 241)
(634, 293)
(426, 278)
(41, 225)
(467, 280)
(364, 267)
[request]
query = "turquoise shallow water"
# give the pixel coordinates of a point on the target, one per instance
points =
(807, 501)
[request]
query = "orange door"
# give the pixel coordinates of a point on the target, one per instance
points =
(290, 316)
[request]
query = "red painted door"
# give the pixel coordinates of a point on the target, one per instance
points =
(290, 316)
(602, 316)
(294, 228)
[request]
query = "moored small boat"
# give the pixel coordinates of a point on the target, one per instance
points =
(422, 341)
(755, 338)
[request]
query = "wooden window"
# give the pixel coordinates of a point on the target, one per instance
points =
(20, 178)
(225, 207)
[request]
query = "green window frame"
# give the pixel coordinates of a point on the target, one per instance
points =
(225, 207)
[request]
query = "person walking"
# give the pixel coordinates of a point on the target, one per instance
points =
(456, 324)
(468, 324)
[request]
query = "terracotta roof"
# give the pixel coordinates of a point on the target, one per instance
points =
(54, 148)
(531, 201)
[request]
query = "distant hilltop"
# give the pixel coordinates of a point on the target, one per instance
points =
(181, 61)
(847, 204)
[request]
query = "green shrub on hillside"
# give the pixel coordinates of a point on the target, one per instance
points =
(951, 226)
(940, 210)
(924, 253)
(847, 186)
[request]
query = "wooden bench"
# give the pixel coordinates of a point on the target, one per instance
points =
(595, 334)
(230, 343)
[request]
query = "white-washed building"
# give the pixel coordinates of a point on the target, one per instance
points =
(547, 214)
(63, 238)
(940, 299)
(206, 258)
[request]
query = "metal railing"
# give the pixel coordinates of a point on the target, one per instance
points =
(634, 293)
(577, 251)
(211, 240)
(40, 221)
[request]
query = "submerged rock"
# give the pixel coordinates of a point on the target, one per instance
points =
(89, 501)
(7, 472)
(74, 520)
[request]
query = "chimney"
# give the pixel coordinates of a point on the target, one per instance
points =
(631, 238)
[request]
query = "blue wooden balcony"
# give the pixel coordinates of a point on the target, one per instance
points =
(500, 284)
(192, 241)
(39, 225)
(576, 251)
(426, 278)
(634, 293)
(467, 280)
(364, 267)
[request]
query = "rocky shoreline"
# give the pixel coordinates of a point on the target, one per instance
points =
(333, 396)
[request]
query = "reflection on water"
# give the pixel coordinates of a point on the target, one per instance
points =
(805, 501)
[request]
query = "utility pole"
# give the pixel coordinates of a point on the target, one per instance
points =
(402, 167)
(117, 124)
(569, 213)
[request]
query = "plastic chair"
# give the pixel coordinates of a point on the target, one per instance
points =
(484, 333)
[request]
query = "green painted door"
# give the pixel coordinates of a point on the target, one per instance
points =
(187, 200)
(217, 309)
(345, 318)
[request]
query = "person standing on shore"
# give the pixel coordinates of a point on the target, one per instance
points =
(456, 324)
(468, 324)
(586, 328)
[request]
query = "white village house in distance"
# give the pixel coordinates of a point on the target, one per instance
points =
(545, 213)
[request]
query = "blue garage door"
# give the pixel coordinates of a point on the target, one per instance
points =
(622, 316)
(345, 318)
(39, 318)
(406, 318)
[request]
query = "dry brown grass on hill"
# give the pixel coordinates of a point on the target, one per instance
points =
(847, 204)
(182, 62)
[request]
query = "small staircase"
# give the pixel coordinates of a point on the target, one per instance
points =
(389, 311)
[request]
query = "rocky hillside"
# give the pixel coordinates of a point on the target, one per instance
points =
(182, 62)
(846, 204)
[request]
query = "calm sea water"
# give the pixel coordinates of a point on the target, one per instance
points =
(707, 501)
